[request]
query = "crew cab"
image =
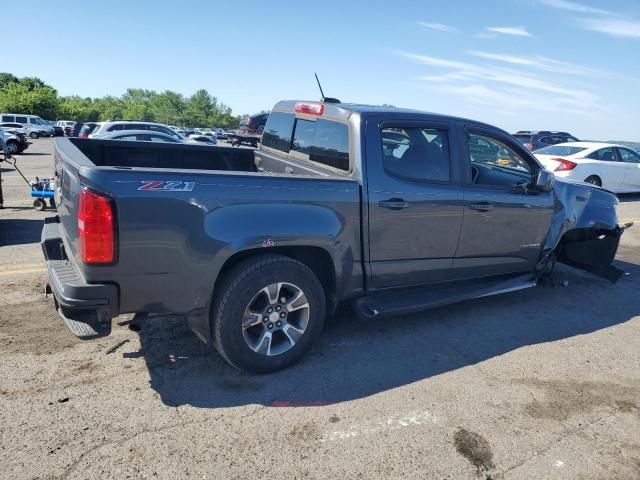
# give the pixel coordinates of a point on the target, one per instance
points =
(394, 210)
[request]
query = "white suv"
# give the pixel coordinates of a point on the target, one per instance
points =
(35, 126)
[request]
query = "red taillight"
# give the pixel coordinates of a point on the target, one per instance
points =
(84, 135)
(310, 108)
(95, 228)
(564, 164)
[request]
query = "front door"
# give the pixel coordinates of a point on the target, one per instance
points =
(415, 207)
(631, 162)
(505, 219)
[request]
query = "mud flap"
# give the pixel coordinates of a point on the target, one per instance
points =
(591, 250)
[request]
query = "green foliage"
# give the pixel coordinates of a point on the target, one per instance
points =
(30, 95)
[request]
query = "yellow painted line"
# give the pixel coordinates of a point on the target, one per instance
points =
(22, 271)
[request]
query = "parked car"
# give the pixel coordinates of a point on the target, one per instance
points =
(35, 125)
(16, 140)
(83, 130)
(107, 127)
(254, 124)
(152, 136)
(257, 250)
(208, 139)
(607, 165)
(543, 138)
(67, 126)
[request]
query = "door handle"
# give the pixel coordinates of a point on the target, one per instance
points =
(394, 204)
(482, 206)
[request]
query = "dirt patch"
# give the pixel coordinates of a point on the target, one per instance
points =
(562, 399)
(33, 327)
(475, 448)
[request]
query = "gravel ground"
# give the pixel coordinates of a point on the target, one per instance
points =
(541, 383)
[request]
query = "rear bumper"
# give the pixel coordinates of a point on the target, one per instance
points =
(86, 308)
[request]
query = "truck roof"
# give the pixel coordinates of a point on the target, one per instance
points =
(342, 111)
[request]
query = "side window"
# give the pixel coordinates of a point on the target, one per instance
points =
(128, 138)
(570, 139)
(161, 139)
(416, 153)
(604, 154)
(546, 140)
(115, 128)
(278, 130)
(322, 141)
(21, 120)
(496, 163)
(8, 118)
(628, 156)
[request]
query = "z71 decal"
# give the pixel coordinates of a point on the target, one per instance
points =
(160, 186)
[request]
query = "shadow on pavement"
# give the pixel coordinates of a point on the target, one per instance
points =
(356, 358)
(628, 197)
(19, 231)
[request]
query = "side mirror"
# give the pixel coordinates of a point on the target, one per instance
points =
(544, 180)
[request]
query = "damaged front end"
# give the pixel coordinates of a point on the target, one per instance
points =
(584, 231)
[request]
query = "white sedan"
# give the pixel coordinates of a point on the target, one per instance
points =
(614, 167)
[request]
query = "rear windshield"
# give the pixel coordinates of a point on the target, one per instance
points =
(559, 150)
(523, 138)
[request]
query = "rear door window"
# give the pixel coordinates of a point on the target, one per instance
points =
(278, 130)
(416, 153)
(322, 141)
(605, 155)
(21, 120)
(8, 118)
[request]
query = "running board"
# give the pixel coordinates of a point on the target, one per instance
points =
(401, 302)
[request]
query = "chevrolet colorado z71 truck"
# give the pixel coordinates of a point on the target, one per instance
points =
(395, 210)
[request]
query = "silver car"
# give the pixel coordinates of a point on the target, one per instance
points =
(147, 136)
(121, 125)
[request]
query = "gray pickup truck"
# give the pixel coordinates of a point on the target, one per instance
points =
(394, 210)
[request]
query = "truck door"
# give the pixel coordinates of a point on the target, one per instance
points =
(414, 204)
(505, 220)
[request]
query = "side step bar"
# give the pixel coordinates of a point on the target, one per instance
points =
(401, 302)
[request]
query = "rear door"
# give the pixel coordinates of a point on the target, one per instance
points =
(505, 221)
(415, 201)
(631, 161)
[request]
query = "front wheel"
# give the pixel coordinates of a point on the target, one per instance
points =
(266, 313)
(13, 147)
(39, 204)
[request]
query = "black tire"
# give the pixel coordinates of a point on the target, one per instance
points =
(13, 147)
(34, 135)
(260, 129)
(52, 203)
(234, 294)
(39, 204)
(594, 180)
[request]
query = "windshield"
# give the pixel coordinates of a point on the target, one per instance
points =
(559, 150)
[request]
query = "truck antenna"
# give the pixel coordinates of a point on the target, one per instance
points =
(320, 87)
(325, 99)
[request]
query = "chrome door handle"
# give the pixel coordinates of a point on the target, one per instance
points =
(393, 204)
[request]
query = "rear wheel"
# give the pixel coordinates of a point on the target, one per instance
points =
(34, 135)
(594, 180)
(266, 313)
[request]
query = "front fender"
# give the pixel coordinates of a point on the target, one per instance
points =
(584, 231)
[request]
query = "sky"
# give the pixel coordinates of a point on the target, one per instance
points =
(516, 64)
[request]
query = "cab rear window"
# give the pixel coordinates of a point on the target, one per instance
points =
(323, 141)
(277, 131)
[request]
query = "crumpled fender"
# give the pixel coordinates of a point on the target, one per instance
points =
(584, 231)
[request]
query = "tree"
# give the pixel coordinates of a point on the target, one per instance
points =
(17, 98)
(6, 78)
